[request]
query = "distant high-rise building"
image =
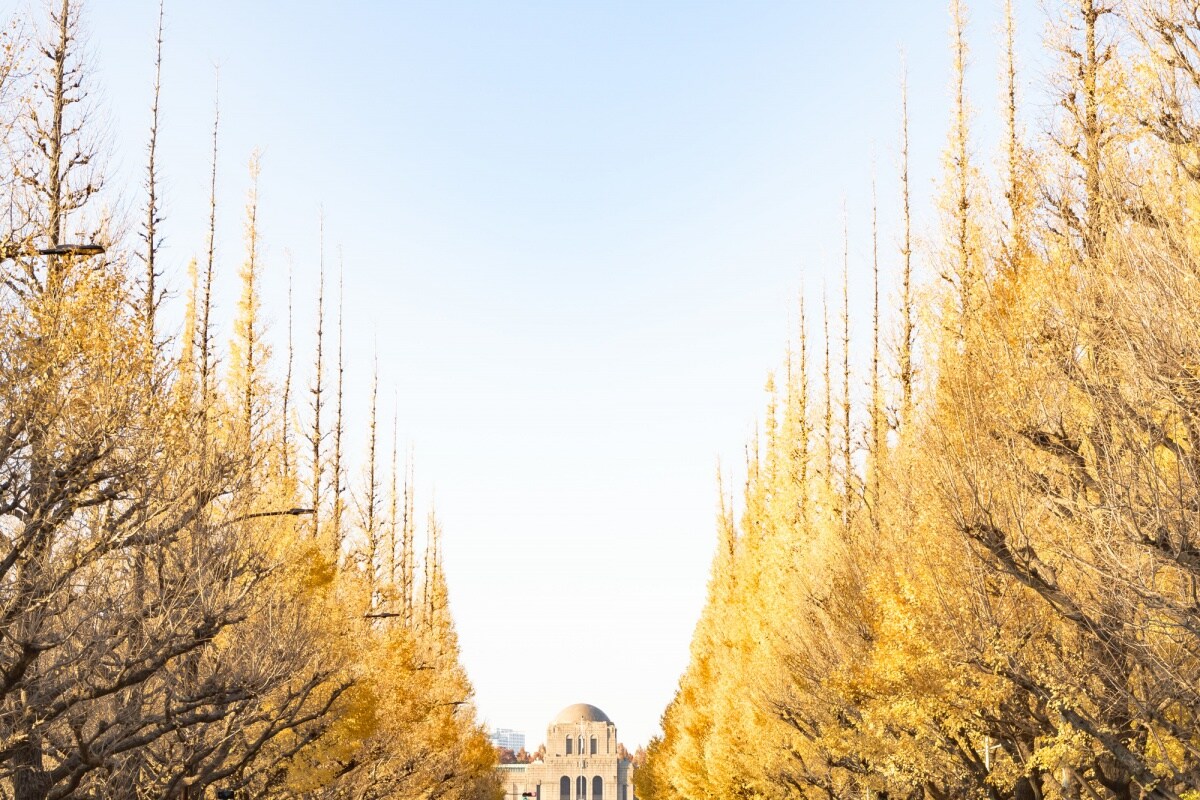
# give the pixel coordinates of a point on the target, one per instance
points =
(507, 737)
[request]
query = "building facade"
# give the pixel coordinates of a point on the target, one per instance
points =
(507, 737)
(581, 762)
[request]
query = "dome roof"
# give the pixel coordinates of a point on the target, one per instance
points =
(580, 712)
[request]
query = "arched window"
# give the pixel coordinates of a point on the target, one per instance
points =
(597, 787)
(564, 788)
(593, 750)
(581, 788)
(570, 742)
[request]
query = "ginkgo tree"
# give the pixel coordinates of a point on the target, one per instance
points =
(1003, 604)
(177, 610)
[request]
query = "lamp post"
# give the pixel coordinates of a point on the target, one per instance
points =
(988, 747)
(583, 754)
(10, 251)
(73, 250)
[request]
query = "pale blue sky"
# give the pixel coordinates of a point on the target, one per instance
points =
(576, 231)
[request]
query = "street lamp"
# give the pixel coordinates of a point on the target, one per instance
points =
(988, 747)
(73, 250)
(10, 251)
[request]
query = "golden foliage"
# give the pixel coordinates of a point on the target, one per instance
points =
(1010, 611)
(169, 618)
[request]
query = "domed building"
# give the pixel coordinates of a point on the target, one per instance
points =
(581, 761)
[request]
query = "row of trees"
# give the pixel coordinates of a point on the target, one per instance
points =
(190, 594)
(985, 581)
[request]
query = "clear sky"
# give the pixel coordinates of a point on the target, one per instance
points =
(576, 232)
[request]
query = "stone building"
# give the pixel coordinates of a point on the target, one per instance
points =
(581, 762)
